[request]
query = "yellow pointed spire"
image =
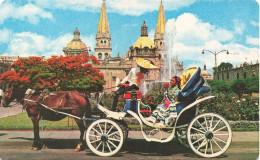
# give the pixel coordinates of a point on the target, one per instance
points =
(103, 22)
(160, 26)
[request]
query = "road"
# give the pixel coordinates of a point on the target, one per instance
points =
(15, 145)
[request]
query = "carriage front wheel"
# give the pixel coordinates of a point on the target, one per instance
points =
(209, 135)
(104, 137)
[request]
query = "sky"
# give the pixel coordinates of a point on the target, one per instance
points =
(45, 27)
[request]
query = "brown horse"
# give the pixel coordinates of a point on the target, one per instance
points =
(71, 102)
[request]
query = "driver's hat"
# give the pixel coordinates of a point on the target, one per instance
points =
(145, 63)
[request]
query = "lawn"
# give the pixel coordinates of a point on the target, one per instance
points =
(23, 122)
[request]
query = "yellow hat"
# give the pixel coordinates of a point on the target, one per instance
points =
(145, 63)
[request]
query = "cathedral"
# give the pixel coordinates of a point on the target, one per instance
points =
(116, 68)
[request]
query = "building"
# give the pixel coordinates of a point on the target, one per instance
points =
(243, 71)
(116, 68)
(205, 74)
(75, 46)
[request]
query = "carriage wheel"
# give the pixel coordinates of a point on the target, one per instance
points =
(104, 137)
(181, 136)
(209, 135)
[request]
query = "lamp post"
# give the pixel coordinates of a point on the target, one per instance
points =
(215, 54)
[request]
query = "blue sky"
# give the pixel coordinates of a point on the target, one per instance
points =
(43, 28)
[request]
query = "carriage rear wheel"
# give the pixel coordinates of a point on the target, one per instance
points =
(209, 135)
(104, 137)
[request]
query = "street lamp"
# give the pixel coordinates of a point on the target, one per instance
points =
(215, 54)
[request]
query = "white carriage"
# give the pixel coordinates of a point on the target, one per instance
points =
(207, 134)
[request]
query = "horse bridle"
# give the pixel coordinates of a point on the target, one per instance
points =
(10, 90)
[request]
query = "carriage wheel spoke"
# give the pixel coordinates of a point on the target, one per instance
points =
(216, 144)
(92, 135)
(197, 135)
(206, 147)
(201, 144)
(98, 145)
(206, 122)
(211, 148)
(96, 131)
(198, 140)
(113, 133)
(100, 128)
(112, 143)
(201, 125)
(103, 147)
(220, 140)
(108, 147)
(221, 134)
(216, 124)
(210, 124)
(198, 130)
(220, 129)
(105, 127)
(95, 141)
(110, 130)
(114, 139)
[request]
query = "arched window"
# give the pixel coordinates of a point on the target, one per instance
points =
(105, 42)
(106, 55)
(101, 42)
(161, 43)
(245, 75)
(223, 76)
(100, 56)
(237, 75)
(227, 76)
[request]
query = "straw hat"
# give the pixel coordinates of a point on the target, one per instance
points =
(145, 63)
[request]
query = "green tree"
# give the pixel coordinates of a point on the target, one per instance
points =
(219, 86)
(239, 87)
(224, 65)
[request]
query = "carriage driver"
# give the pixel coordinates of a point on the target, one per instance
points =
(135, 77)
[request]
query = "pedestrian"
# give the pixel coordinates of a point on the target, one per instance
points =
(1, 95)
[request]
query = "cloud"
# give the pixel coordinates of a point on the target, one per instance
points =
(239, 27)
(28, 12)
(254, 23)
(190, 35)
(253, 41)
(5, 35)
(27, 44)
(124, 7)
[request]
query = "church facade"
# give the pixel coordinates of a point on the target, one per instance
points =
(116, 68)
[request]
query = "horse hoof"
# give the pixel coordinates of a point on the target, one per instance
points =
(77, 150)
(35, 149)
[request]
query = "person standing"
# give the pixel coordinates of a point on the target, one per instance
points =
(1, 96)
(135, 78)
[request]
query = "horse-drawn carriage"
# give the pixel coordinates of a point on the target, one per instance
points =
(207, 134)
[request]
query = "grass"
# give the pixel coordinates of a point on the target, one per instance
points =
(23, 122)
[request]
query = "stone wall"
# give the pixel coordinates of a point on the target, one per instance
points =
(244, 71)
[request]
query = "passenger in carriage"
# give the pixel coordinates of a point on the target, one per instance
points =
(135, 78)
(167, 112)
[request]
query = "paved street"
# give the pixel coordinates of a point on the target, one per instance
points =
(60, 145)
(9, 111)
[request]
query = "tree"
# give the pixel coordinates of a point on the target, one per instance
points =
(219, 86)
(56, 73)
(239, 87)
(224, 65)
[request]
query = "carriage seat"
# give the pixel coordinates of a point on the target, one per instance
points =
(192, 86)
(131, 98)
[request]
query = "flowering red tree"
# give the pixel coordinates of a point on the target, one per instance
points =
(56, 73)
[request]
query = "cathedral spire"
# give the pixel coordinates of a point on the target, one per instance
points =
(103, 22)
(144, 29)
(103, 46)
(160, 28)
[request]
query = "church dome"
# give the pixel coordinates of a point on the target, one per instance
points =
(205, 74)
(75, 46)
(143, 42)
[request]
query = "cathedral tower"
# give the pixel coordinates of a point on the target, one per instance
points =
(160, 29)
(103, 47)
